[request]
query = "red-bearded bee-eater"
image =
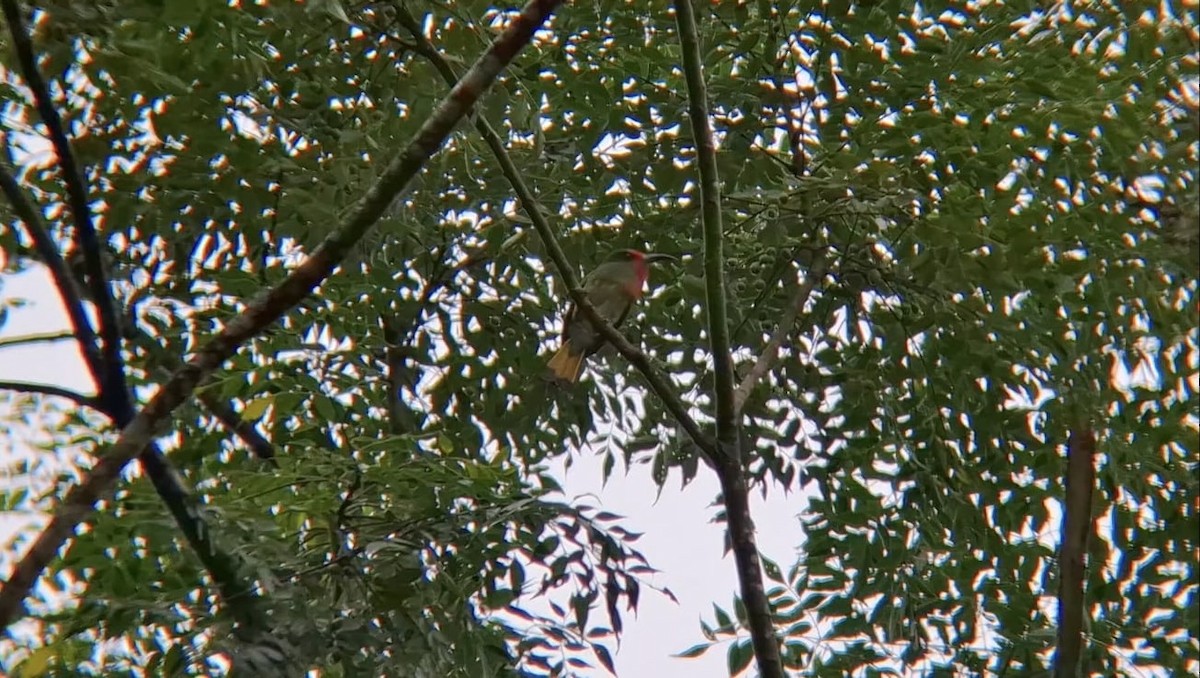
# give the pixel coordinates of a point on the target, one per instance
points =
(612, 288)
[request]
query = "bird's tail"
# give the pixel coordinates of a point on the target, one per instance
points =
(566, 364)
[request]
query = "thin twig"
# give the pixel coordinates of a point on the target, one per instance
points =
(770, 353)
(729, 470)
(43, 337)
(343, 513)
(658, 384)
(332, 562)
(268, 307)
(50, 390)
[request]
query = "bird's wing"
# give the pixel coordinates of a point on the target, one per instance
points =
(620, 313)
(591, 283)
(611, 302)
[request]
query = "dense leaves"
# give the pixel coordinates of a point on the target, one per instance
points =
(994, 207)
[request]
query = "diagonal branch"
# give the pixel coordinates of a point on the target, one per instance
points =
(236, 591)
(729, 469)
(260, 446)
(270, 306)
(159, 358)
(50, 390)
(770, 353)
(658, 384)
(112, 387)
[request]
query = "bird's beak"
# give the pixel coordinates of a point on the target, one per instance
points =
(658, 256)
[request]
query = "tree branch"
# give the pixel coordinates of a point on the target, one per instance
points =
(238, 593)
(658, 384)
(729, 469)
(259, 445)
(41, 337)
(269, 306)
(1076, 524)
(158, 359)
(710, 201)
(770, 353)
(50, 390)
(400, 417)
(111, 386)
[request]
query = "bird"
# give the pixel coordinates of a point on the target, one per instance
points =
(612, 288)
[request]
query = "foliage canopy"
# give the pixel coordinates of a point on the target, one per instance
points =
(988, 213)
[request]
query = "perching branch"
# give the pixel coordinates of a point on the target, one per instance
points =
(729, 469)
(658, 384)
(770, 353)
(50, 390)
(270, 306)
(1076, 525)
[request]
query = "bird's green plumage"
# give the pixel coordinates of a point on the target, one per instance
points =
(612, 288)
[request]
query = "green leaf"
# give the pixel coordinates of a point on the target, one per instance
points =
(325, 407)
(694, 651)
(256, 408)
(741, 653)
(605, 658)
(771, 569)
(36, 664)
(724, 622)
